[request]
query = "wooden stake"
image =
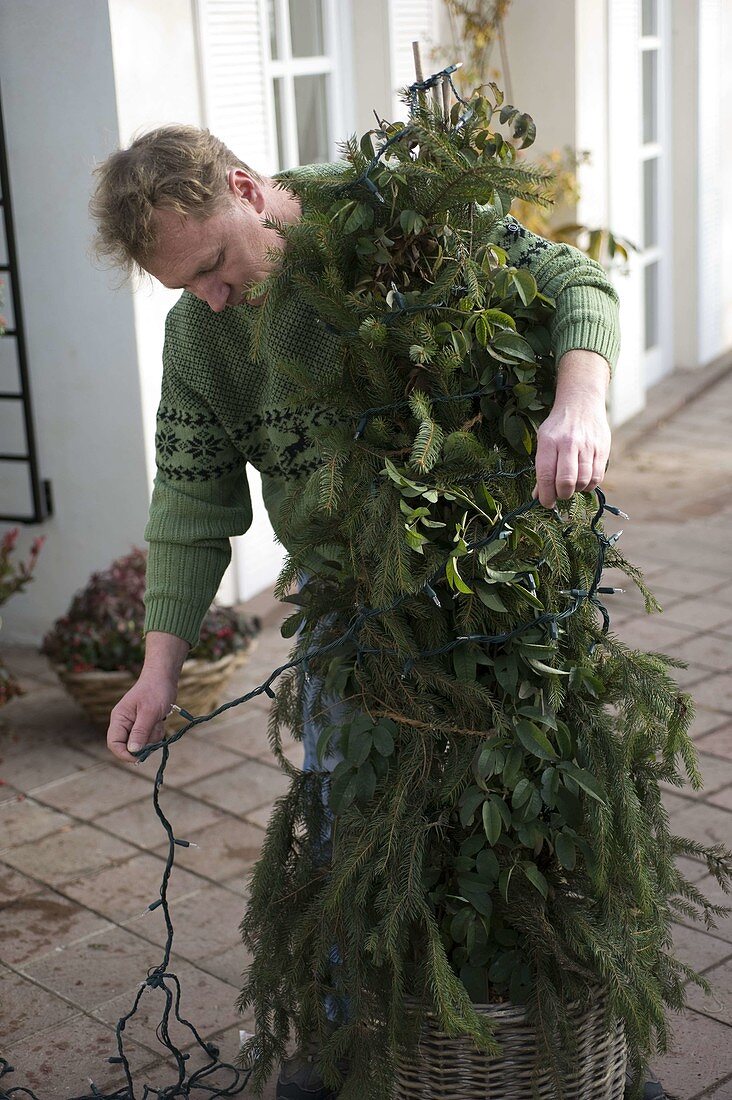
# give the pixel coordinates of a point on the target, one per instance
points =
(446, 99)
(417, 62)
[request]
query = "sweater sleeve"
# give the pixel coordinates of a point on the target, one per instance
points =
(200, 499)
(586, 314)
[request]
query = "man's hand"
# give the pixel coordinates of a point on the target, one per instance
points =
(573, 443)
(139, 716)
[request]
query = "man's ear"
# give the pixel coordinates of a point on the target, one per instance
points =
(245, 187)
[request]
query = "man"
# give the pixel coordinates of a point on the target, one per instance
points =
(183, 208)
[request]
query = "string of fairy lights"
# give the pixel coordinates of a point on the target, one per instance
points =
(159, 977)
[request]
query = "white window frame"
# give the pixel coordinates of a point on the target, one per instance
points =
(658, 360)
(331, 64)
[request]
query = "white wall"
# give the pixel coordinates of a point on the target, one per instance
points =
(156, 81)
(60, 114)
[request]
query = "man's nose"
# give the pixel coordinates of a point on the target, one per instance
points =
(214, 293)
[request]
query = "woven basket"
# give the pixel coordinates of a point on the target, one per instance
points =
(444, 1068)
(200, 688)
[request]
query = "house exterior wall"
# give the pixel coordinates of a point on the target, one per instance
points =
(81, 77)
(60, 111)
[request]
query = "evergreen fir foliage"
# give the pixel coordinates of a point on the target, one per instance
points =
(497, 829)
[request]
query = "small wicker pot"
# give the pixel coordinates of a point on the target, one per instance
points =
(200, 688)
(444, 1068)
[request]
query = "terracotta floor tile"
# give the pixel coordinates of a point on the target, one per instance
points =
(139, 823)
(33, 1008)
(124, 891)
(701, 613)
(245, 732)
(704, 823)
(260, 817)
(58, 1062)
(228, 965)
(719, 1003)
(224, 850)
(96, 969)
(101, 788)
(718, 742)
(23, 819)
(195, 934)
(14, 885)
(722, 1092)
(715, 693)
(706, 721)
(716, 773)
(242, 788)
(41, 764)
(190, 759)
(651, 633)
(701, 1055)
(706, 650)
(36, 925)
(56, 859)
(698, 948)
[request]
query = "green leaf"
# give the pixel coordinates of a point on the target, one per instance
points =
(492, 822)
(512, 767)
(547, 669)
(365, 783)
(486, 865)
(358, 747)
(521, 793)
(534, 740)
(383, 739)
(514, 346)
(490, 597)
(323, 745)
(525, 284)
(535, 877)
(291, 625)
(566, 851)
(460, 923)
(470, 799)
(585, 780)
(464, 663)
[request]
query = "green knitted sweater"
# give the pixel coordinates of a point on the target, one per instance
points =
(221, 409)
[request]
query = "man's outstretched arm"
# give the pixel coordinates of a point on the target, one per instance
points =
(573, 443)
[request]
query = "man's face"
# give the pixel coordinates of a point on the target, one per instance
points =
(218, 257)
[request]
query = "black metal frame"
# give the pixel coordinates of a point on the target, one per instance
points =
(40, 490)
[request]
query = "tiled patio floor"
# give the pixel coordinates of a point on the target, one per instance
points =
(82, 852)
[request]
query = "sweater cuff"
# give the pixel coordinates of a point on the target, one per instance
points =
(182, 581)
(589, 334)
(178, 617)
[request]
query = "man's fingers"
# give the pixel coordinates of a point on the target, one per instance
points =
(117, 735)
(546, 470)
(585, 471)
(567, 476)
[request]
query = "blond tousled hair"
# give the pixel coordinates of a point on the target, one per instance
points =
(178, 168)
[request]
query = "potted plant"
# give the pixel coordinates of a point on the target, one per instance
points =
(14, 576)
(97, 648)
(486, 902)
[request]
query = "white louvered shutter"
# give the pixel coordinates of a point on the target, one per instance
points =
(237, 109)
(711, 183)
(236, 93)
(410, 20)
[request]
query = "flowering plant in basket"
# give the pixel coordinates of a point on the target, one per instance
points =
(14, 576)
(103, 628)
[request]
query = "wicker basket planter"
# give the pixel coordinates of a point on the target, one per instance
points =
(200, 688)
(444, 1068)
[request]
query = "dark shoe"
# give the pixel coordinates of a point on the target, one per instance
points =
(300, 1080)
(652, 1087)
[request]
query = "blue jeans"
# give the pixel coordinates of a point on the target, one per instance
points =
(333, 711)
